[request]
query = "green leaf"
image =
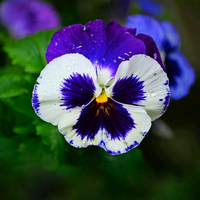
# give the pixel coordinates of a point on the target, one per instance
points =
(34, 152)
(30, 51)
(10, 69)
(21, 104)
(24, 130)
(11, 85)
(50, 135)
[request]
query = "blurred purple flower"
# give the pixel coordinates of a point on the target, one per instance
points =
(25, 17)
(181, 75)
(151, 7)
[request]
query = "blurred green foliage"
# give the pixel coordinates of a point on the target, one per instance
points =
(36, 163)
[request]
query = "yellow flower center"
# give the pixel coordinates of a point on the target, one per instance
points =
(102, 98)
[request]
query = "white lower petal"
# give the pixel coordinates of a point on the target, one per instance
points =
(156, 86)
(50, 81)
(133, 138)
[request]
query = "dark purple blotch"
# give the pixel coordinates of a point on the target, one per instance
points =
(78, 90)
(129, 90)
(110, 116)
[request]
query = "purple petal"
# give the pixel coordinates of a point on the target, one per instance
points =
(129, 90)
(172, 39)
(180, 73)
(104, 45)
(110, 116)
(151, 48)
(148, 26)
(24, 17)
(77, 90)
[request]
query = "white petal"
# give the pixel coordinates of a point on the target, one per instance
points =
(65, 126)
(48, 89)
(133, 138)
(104, 76)
(156, 86)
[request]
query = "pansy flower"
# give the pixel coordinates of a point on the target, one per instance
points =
(25, 17)
(101, 86)
(181, 75)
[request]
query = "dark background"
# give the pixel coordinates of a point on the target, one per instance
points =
(160, 168)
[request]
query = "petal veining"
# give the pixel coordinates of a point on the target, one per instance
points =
(53, 94)
(154, 80)
(110, 116)
(104, 45)
(142, 124)
(78, 90)
(129, 90)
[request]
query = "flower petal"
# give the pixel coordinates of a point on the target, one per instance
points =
(142, 124)
(60, 83)
(147, 25)
(24, 17)
(151, 48)
(104, 45)
(172, 38)
(181, 74)
(150, 7)
(116, 128)
(149, 84)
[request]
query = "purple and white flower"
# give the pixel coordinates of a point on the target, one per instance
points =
(26, 17)
(181, 75)
(101, 86)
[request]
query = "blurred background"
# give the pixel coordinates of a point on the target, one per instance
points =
(37, 164)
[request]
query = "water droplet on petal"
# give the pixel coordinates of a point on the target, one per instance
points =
(84, 28)
(126, 54)
(54, 86)
(104, 59)
(121, 58)
(153, 94)
(75, 66)
(92, 35)
(73, 61)
(114, 61)
(68, 68)
(45, 92)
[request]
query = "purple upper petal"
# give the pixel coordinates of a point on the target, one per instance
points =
(24, 17)
(104, 45)
(180, 73)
